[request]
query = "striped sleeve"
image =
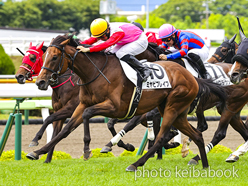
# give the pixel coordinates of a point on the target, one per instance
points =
(184, 43)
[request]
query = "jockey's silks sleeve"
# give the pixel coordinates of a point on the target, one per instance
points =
(186, 41)
(117, 36)
(90, 41)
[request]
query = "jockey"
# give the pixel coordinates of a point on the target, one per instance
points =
(129, 41)
(188, 44)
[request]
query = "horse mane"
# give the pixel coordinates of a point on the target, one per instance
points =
(60, 38)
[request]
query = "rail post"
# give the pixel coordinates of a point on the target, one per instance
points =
(6, 132)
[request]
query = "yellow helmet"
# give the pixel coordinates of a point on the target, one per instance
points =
(98, 27)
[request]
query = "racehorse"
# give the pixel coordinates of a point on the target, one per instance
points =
(65, 95)
(222, 57)
(64, 101)
(237, 98)
(109, 95)
(224, 52)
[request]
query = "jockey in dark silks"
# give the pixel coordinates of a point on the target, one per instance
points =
(187, 44)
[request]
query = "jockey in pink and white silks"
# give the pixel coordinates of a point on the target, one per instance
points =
(187, 44)
(128, 39)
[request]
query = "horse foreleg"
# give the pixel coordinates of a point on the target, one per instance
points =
(218, 136)
(57, 126)
(59, 115)
(239, 126)
(74, 122)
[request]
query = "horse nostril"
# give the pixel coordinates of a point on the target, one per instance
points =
(20, 78)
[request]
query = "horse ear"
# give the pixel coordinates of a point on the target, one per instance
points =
(30, 45)
(40, 46)
(242, 36)
(225, 39)
(65, 42)
(232, 39)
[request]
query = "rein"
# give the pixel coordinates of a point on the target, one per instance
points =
(69, 79)
(100, 71)
(61, 64)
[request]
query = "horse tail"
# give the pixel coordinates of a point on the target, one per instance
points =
(208, 89)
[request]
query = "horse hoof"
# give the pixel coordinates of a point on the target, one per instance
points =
(32, 156)
(131, 168)
(87, 155)
(185, 153)
(130, 147)
(106, 149)
(33, 144)
(193, 162)
(232, 159)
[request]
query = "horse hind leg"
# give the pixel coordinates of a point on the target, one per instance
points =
(117, 138)
(184, 126)
(201, 126)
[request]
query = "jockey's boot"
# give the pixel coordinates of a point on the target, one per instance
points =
(134, 63)
(199, 64)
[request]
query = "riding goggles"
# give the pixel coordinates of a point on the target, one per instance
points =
(168, 39)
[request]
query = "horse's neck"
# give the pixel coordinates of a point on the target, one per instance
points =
(88, 67)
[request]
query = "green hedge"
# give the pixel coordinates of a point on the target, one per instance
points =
(6, 64)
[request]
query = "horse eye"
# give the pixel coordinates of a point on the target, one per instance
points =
(33, 59)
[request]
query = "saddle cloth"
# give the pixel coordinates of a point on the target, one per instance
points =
(216, 73)
(158, 80)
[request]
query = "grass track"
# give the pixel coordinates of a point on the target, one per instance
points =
(111, 171)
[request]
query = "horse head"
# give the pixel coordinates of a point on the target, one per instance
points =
(240, 66)
(225, 51)
(56, 62)
(31, 63)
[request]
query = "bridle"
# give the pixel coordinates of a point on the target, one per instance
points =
(230, 51)
(57, 73)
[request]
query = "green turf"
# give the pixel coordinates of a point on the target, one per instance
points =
(111, 171)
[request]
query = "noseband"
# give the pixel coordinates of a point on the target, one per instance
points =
(56, 74)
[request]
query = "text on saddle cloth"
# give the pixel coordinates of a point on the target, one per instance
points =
(216, 73)
(158, 80)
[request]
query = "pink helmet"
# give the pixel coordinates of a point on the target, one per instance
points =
(166, 30)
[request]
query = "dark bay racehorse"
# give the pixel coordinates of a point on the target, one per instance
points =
(237, 98)
(222, 57)
(112, 99)
(65, 97)
(64, 100)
